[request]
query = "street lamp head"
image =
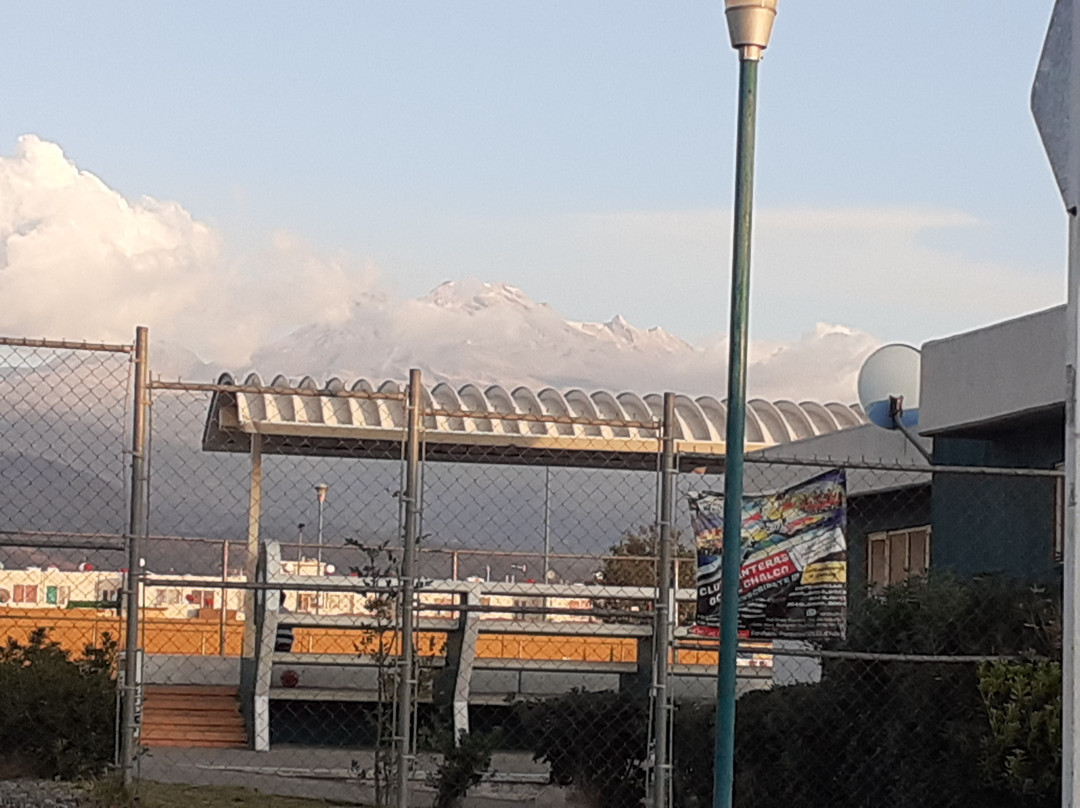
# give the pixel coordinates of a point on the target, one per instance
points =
(320, 491)
(750, 24)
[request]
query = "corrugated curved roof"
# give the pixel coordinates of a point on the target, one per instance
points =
(304, 418)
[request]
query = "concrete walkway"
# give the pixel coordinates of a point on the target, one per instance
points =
(344, 775)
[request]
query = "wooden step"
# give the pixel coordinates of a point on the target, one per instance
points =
(191, 704)
(192, 716)
(191, 690)
(194, 743)
(177, 718)
(233, 734)
(233, 737)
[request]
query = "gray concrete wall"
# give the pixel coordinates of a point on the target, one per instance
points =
(172, 669)
(1001, 370)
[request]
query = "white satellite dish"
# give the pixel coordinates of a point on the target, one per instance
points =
(889, 386)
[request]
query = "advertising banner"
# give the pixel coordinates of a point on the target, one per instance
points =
(793, 581)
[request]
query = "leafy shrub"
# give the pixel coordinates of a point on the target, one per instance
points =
(871, 732)
(942, 614)
(57, 714)
(463, 766)
(1023, 749)
(892, 732)
(692, 749)
(593, 741)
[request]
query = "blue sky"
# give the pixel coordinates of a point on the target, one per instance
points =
(579, 150)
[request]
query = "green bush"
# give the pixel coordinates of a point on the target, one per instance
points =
(595, 742)
(872, 732)
(57, 714)
(900, 734)
(463, 766)
(942, 614)
(1023, 748)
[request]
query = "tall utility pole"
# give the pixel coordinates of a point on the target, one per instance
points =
(750, 24)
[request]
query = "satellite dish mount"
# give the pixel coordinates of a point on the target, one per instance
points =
(889, 377)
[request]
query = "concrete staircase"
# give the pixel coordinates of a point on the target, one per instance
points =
(192, 716)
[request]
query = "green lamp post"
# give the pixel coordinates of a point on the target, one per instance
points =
(750, 24)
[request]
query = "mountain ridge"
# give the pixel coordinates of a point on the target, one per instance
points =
(494, 333)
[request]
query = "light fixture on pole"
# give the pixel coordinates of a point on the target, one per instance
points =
(320, 495)
(750, 24)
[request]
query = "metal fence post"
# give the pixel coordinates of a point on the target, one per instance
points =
(224, 605)
(136, 529)
(412, 513)
(662, 634)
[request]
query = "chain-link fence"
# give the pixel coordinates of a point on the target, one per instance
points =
(64, 518)
(397, 594)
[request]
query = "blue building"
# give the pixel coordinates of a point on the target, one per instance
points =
(992, 417)
(995, 397)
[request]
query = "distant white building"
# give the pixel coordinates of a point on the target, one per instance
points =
(51, 588)
(198, 592)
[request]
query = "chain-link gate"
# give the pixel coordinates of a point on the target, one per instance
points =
(65, 412)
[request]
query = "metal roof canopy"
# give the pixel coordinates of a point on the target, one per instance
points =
(470, 425)
(494, 425)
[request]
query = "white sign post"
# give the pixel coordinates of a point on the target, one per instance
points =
(1055, 103)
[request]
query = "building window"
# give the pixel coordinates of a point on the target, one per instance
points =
(896, 555)
(339, 604)
(25, 593)
(201, 598)
(168, 597)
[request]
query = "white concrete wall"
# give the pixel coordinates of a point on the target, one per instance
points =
(1004, 369)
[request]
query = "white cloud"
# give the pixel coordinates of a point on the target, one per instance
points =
(78, 260)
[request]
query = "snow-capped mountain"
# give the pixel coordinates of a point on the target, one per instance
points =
(495, 333)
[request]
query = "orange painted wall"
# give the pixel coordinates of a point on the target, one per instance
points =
(76, 628)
